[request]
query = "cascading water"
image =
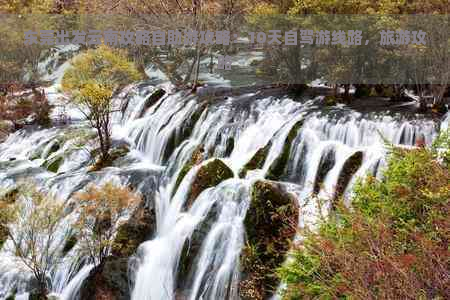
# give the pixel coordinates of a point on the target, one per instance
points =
(162, 138)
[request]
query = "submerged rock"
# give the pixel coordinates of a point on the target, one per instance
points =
(109, 280)
(208, 176)
(257, 161)
(271, 223)
(278, 167)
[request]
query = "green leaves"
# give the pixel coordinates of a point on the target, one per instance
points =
(391, 245)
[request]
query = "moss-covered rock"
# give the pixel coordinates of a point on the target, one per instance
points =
(278, 167)
(257, 161)
(37, 296)
(349, 168)
(109, 280)
(11, 297)
(133, 232)
(114, 154)
(325, 165)
(53, 164)
(330, 100)
(151, 100)
(208, 176)
(271, 223)
(196, 158)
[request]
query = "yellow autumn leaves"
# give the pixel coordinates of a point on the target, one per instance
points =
(97, 73)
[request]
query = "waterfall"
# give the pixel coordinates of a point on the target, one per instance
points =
(162, 137)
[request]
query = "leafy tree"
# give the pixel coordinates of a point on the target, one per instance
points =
(100, 210)
(32, 224)
(92, 81)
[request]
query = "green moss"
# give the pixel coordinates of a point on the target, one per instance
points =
(278, 167)
(208, 176)
(270, 224)
(257, 161)
(330, 100)
(196, 158)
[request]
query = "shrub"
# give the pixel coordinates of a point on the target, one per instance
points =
(101, 209)
(32, 222)
(392, 244)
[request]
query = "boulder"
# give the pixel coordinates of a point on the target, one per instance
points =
(209, 175)
(133, 232)
(109, 280)
(270, 223)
